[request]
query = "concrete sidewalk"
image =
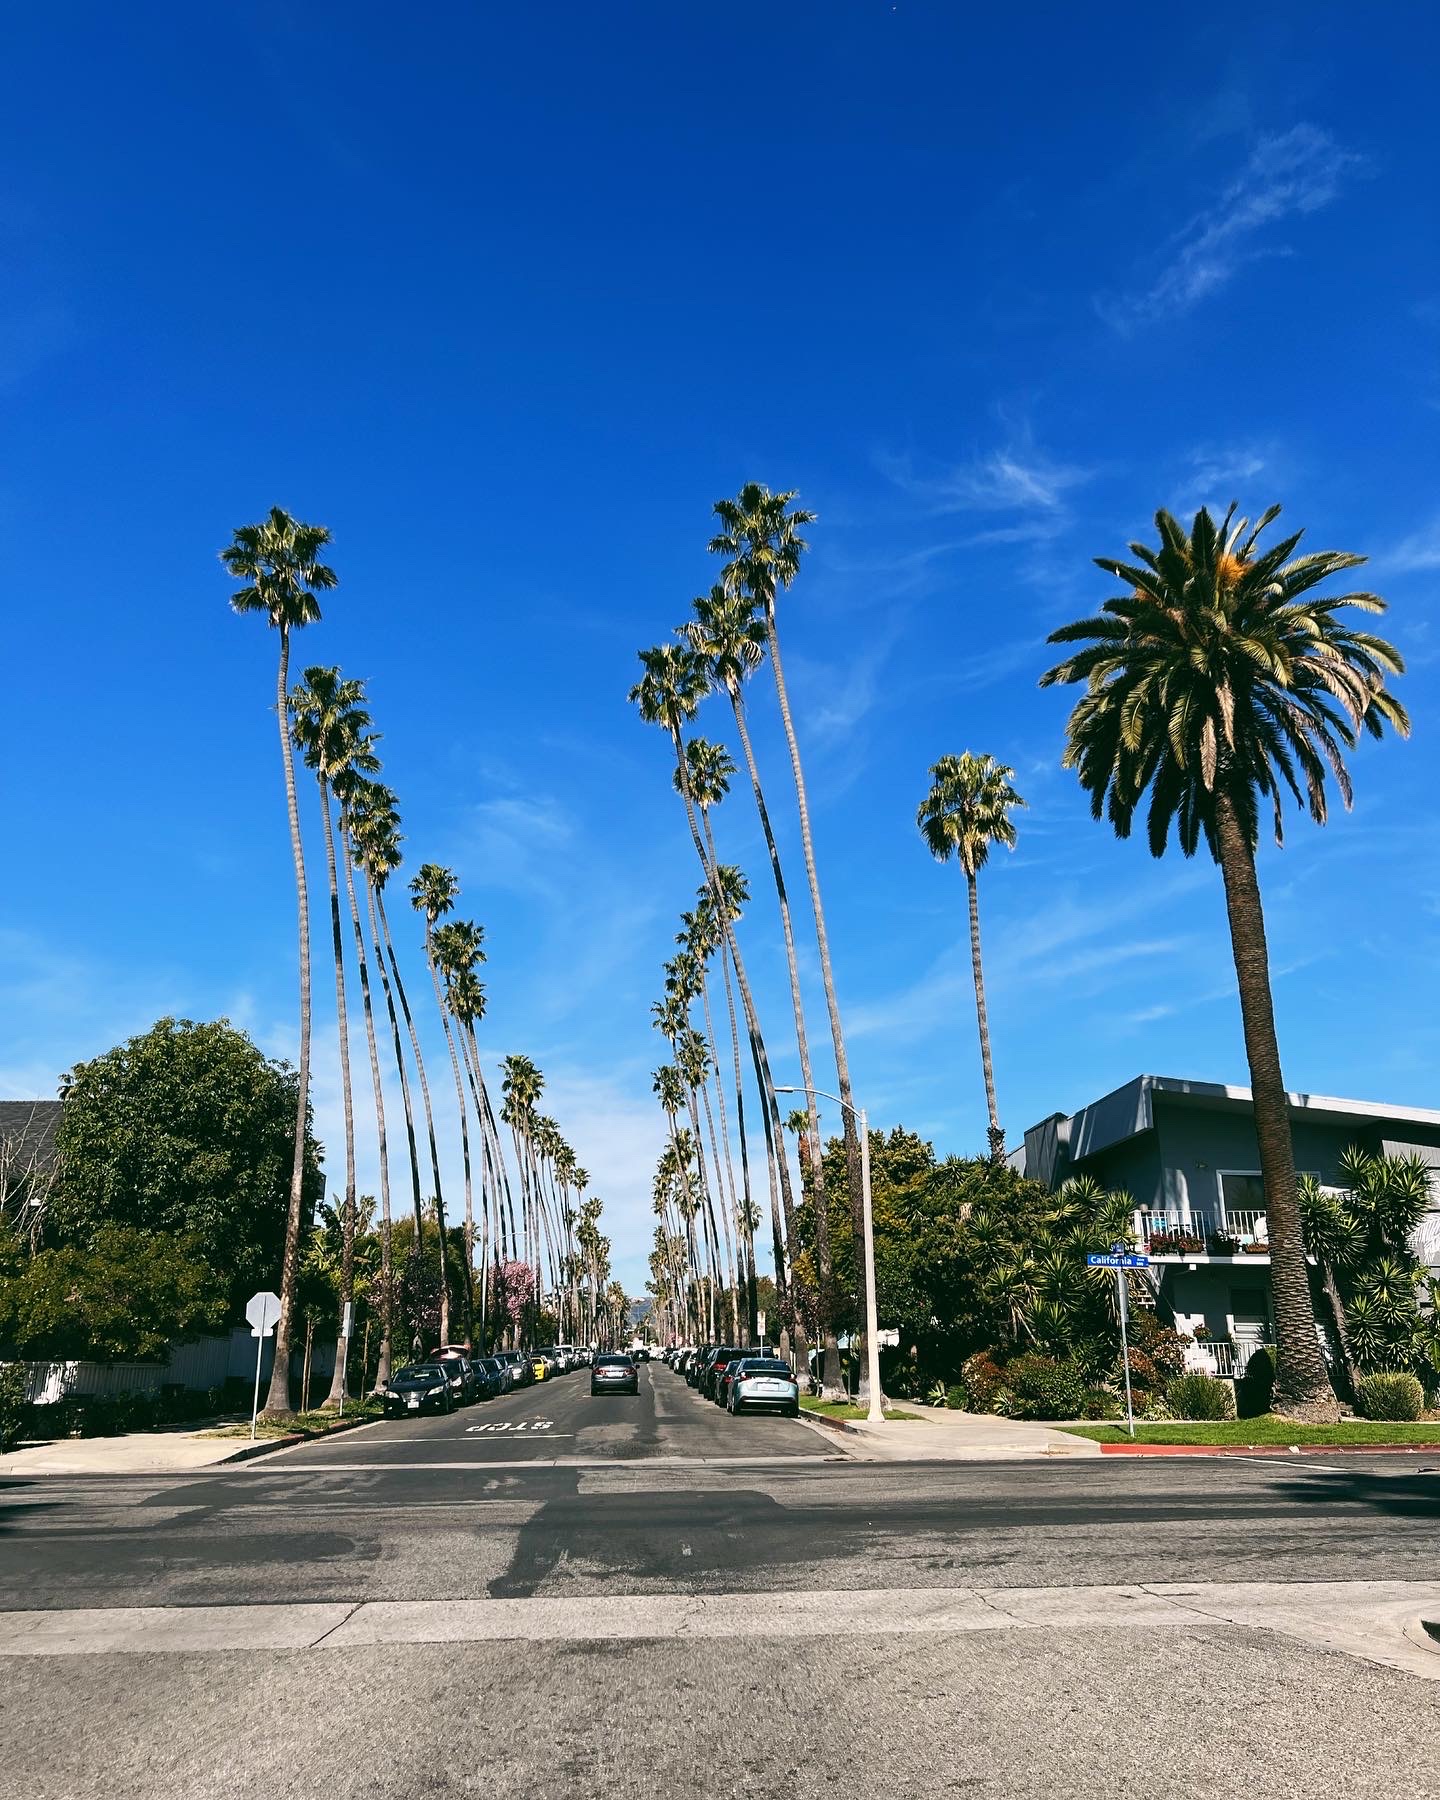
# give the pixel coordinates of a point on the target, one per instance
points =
(136, 1453)
(939, 1434)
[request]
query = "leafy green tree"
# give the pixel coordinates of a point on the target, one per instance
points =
(966, 811)
(1218, 681)
(185, 1130)
(277, 563)
(119, 1297)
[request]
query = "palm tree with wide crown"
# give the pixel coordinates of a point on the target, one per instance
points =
(277, 561)
(966, 811)
(1217, 682)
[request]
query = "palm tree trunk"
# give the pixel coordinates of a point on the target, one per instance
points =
(445, 1023)
(429, 1124)
(750, 1214)
(342, 1022)
(1302, 1385)
(832, 1004)
(382, 1372)
(1342, 1326)
(729, 1171)
(997, 1136)
(830, 1360)
(757, 1046)
(277, 1399)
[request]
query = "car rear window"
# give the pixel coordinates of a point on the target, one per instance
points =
(613, 1362)
(765, 1368)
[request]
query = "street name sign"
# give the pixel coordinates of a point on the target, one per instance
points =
(1109, 1260)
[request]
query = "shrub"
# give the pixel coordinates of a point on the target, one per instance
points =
(1390, 1396)
(1199, 1396)
(983, 1379)
(1254, 1388)
(14, 1408)
(1161, 1343)
(1045, 1387)
(956, 1397)
(1101, 1403)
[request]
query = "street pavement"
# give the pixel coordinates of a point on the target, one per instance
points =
(617, 1594)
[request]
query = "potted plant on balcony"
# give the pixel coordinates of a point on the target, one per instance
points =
(1257, 1248)
(1222, 1243)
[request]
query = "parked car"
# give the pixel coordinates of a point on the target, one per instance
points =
(614, 1374)
(756, 1384)
(522, 1372)
(418, 1388)
(715, 1364)
(695, 1367)
(494, 1376)
(544, 1364)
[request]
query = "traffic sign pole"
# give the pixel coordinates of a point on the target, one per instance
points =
(1125, 1347)
(262, 1310)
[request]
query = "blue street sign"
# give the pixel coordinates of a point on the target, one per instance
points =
(1125, 1260)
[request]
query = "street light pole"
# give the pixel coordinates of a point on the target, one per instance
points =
(876, 1413)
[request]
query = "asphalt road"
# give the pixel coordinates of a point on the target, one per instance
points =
(698, 1605)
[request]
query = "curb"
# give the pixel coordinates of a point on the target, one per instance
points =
(814, 1418)
(267, 1446)
(1249, 1450)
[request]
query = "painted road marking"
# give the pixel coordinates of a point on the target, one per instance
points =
(524, 1425)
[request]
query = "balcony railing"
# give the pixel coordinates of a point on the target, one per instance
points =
(1229, 1361)
(1201, 1233)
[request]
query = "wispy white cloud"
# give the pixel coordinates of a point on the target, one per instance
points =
(1288, 175)
(1415, 554)
(1019, 477)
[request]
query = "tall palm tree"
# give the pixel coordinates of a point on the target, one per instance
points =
(458, 948)
(521, 1086)
(278, 563)
(730, 637)
(375, 831)
(330, 726)
(352, 788)
(761, 542)
(966, 811)
(668, 694)
(1218, 680)
(432, 894)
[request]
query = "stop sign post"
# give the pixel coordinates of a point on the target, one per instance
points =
(263, 1312)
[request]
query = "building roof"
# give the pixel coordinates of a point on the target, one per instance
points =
(28, 1128)
(1130, 1109)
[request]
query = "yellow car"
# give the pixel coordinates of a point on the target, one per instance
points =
(542, 1366)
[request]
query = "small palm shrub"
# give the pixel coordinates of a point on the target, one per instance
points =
(1200, 1396)
(1045, 1387)
(956, 1397)
(1390, 1396)
(1101, 1403)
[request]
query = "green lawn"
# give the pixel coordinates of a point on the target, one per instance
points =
(1266, 1430)
(311, 1424)
(841, 1409)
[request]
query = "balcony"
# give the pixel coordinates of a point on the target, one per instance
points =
(1200, 1233)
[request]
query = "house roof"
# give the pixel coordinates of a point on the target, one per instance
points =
(1130, 1109)
(28, 1127)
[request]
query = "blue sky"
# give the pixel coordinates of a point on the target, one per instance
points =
(507, 296)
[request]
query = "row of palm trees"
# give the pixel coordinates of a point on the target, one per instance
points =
(556, 1237)
(734, 629)
(1219, 681)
